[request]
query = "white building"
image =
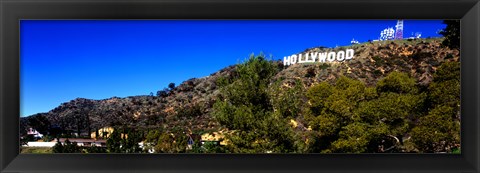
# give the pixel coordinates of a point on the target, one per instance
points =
(34, 132)
(354, 41)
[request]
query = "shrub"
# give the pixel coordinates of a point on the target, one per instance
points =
(397, 82)
(171, 86)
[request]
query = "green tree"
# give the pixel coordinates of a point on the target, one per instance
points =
(393, 109)
(331, 108)
(356, 137)
(151, 139)
(399, 102)
(95, 149)
(288, 101)
(316, 96)
(451, 34)
(171, 86)
(162, 93)
(351, 117)
(245, 107)
(397, 82)
(114, 142)
(167, 142)
(212, 148)
(130, 142)
(180, 143)
(437, 132)
(445, 88)
(58, 147)
(67, 147)
(447, 71)
(124, 140)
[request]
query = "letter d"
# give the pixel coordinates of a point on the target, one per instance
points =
(349, 54)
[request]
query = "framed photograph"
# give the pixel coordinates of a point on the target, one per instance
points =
(239, 86)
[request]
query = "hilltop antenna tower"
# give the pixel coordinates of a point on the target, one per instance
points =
(399, 30)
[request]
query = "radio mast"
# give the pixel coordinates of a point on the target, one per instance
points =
(399, 30)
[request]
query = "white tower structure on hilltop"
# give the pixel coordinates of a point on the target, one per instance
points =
(354, 41)
(399, 30)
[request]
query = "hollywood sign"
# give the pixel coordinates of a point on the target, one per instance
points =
(319, 57)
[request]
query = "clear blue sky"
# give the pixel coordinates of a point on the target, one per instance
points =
(66, 59)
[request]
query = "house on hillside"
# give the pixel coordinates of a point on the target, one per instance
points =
(191, 140)
(34, 133)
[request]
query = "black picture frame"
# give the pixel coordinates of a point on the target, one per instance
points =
(12, 11)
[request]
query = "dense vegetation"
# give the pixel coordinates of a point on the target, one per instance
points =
(451, 33)
(394, 96)
(395, 115)
(344, 116)
(245, 107)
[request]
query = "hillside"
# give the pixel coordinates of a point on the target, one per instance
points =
(374, 60)
(188, 106)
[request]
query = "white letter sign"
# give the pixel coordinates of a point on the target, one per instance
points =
(321, 56)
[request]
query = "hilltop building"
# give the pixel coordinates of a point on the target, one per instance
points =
(354, 41)
(34, 133)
